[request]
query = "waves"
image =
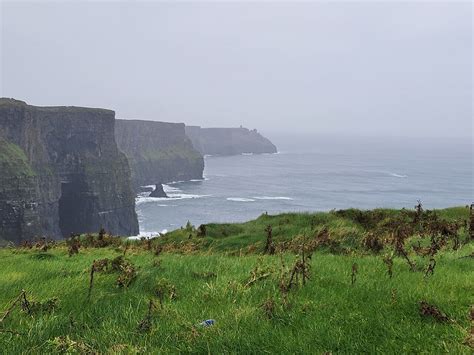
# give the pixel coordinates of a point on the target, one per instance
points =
(170, 189)
(272, 198)
(174, 194)
(250, 154)
(254, 198)
(375, 173)
(148, 235)
(240, 199)
(172, 197)
(398, 175)
(241, 188)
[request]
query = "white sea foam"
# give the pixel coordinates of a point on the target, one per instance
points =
(174, 182)
(173, 193)
(148, 235)
(144, 199)
(398, 175)
(143, 194)
(171, 197)
(240, 199)
(247, 153)
(170, 189)
(272, 198)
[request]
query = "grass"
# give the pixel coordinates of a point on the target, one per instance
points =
(181, 150)
(13, 161)
(180, 158)
(347, 228)
(166, 155)
(208, 275)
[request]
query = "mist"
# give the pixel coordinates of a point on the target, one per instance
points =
(336, 68)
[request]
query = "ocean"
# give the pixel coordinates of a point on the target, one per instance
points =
(317, 174)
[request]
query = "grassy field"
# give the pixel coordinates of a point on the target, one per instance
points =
(348, 303)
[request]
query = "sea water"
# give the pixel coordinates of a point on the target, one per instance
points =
(317, 174)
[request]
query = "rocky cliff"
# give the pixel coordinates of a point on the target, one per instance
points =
(158, 151)
(228, 141)
(61, 173)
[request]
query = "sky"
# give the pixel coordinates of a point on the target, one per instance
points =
(378, 68)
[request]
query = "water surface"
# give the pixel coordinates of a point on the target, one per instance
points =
(317, 175)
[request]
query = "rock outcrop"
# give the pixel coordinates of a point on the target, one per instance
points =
(228, 141)
(61, 173)
(158, 192)
(158, 151)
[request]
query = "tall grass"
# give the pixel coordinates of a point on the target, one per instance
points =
(375, 313)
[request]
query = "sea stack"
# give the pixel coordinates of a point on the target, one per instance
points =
(158, 191)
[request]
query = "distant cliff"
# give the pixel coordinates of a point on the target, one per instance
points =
(61, 173)
(228, 141)
(158, 151)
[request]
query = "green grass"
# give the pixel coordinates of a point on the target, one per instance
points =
(13, 161)
(376, 314)
(345, 227)
(181, 151)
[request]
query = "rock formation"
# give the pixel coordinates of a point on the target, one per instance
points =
(228, 141)
(158, 151)
(61, 173)
(158, 191)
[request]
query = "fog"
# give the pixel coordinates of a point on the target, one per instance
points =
(348, 68)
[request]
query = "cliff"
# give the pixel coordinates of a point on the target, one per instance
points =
(158, 152)
(228, 141)
(61, 173)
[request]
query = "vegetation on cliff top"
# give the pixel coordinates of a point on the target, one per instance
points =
(18, 103)
(13, 161)
(172, 152)
(346, 281)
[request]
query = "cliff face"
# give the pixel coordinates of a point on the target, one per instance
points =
(158, 152)
(228, 141)
(61, 173)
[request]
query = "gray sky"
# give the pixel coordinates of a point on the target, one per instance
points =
(362, 68)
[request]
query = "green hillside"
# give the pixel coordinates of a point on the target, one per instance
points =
(341, 282)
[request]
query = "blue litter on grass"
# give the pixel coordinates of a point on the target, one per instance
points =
(207, 323)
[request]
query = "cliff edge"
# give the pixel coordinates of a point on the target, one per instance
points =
(61, 173)
(229, 141)
(158, 151)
